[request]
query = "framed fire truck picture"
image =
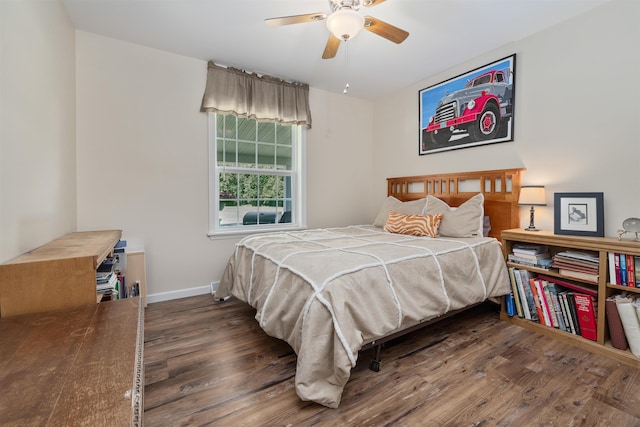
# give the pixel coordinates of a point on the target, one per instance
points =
(474, 108)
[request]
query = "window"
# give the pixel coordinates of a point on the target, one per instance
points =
(256, 175)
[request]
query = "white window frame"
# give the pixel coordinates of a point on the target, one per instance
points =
(298, 184)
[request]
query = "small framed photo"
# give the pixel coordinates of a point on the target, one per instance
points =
(580, 214)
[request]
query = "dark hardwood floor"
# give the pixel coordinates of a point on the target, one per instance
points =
(210, 364)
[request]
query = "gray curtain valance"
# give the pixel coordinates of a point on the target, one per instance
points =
(263, 98)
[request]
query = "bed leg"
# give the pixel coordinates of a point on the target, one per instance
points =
(375, 363)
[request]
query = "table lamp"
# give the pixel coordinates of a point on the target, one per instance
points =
(532, 195)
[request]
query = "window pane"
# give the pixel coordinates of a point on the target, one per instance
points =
(266, 156)
(248, 185)
(267, 132)
(228, 186)
(225, 152)
(268, 189)
(246, 154)
(229, 214)
(283, 134)
(283, 157)
(246, 129)
(226, 126)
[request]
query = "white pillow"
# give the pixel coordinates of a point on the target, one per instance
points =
(414, 207)
(467, 220)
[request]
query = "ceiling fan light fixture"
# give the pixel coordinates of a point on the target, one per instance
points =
(345, 23)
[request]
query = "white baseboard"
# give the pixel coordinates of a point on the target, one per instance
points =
(182, 293)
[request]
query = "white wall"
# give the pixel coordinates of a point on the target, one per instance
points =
(141, 141)
(37, 125)
(339, 161)
(142, 159)
(576, 116)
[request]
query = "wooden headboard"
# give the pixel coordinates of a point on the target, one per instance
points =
(500, 187)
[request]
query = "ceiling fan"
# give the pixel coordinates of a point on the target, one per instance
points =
(344, 22)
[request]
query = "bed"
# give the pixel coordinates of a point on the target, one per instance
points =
(331, 292)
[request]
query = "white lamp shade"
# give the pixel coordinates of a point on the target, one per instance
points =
(532, 195)
(345, 23)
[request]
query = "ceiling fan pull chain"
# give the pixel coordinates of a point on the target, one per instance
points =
(346, 67)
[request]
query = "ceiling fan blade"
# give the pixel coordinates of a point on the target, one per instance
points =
(295, 19)
(371, 3)
(331, 48)
(385, 30)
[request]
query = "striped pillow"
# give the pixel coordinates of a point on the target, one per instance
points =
(414, 225)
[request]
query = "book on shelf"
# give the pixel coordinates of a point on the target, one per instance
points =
(631, 324)
(569, 316)
(611, 260)
(623, 270)
(103, 276)
(111, 283)
(541, 305)
(107, 264)
(614, 324)
(529, 248)
(530, 257)
(579, 257)
(571, 304)
(121, 286)
(543, 263)
(516, 295)
(554, 309)
(534, 314)
(559, 263)
(510, 305)
(555, 301)
(586, 316)
(527, 299)
(578, 265)
(631, 276)
(578, 274)
(539, 316)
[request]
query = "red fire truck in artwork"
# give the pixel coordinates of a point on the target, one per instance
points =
(482, 108)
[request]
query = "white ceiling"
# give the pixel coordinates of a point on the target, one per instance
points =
(443, 33)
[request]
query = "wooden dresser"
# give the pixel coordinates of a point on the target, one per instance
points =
(75, 367)
(58, 275)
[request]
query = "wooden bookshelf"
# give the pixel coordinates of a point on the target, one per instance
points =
(557, 243)
(59, 275)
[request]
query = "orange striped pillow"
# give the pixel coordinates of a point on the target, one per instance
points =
(414, 225)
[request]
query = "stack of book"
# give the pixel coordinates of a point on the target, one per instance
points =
(553, 302)
(107, 282)
(530, 255)
(578, 265)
